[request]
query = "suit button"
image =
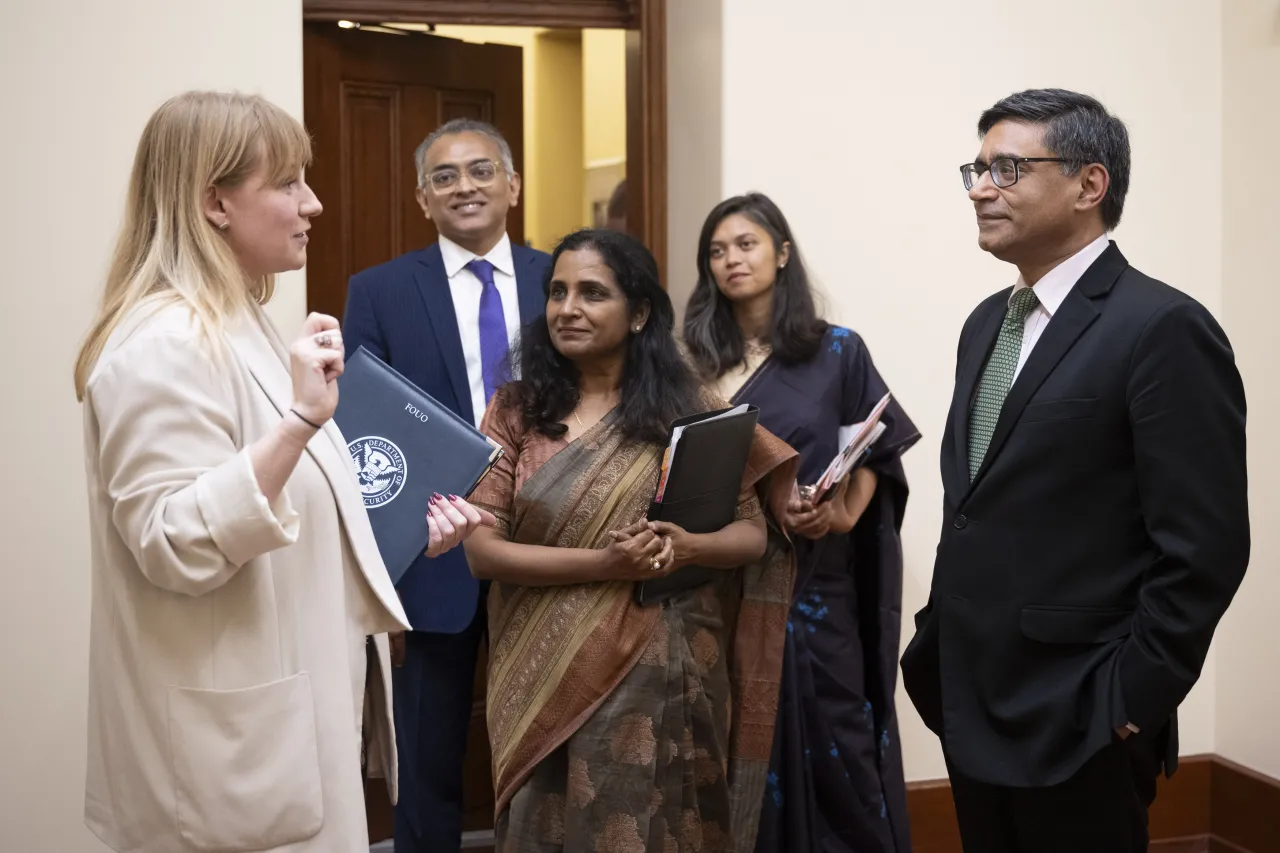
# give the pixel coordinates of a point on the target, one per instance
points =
(961, 522)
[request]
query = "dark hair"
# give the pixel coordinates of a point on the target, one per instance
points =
(1077, 128)
(710, 331)
(657, 385)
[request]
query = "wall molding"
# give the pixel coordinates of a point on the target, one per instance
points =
(1211, 805)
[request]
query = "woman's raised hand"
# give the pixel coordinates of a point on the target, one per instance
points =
(315, 363)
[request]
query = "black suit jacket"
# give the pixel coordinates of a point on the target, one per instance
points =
(1080, 577)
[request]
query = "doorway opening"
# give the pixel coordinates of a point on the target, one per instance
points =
(578, 89)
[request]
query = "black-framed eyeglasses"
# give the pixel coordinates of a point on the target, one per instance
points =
(1005, 171)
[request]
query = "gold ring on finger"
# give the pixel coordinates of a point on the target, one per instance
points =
(657, 565)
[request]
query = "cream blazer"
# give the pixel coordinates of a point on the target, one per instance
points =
(227, 675)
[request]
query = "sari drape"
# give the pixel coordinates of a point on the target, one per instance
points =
(615, 726)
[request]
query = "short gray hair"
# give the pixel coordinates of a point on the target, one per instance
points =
(463, 125)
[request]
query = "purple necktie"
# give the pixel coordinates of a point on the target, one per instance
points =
(493, 327)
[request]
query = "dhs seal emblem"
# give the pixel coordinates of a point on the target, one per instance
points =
(380, 469)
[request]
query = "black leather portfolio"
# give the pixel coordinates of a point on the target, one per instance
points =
(406, 447)
(700, 484)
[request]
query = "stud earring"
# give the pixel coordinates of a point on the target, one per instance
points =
(224, 226)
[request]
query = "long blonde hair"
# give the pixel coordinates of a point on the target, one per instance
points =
(168, 252)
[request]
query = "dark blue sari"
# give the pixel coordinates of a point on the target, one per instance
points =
(836, 780)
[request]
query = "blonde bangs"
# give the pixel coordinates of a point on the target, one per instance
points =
(285, 144)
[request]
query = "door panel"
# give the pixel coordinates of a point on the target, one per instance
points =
(370, 99)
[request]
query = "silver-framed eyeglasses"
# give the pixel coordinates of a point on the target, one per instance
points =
(481, 173)
(1005, 171)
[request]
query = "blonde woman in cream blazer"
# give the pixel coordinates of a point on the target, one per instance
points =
(236, 580)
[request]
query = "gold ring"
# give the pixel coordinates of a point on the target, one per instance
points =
(657, 566)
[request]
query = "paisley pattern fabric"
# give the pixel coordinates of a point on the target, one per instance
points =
(613, 726)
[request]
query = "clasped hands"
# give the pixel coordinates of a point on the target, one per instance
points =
(646, 550)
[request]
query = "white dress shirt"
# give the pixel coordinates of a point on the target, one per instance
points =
(1051, 290)
(465, 289)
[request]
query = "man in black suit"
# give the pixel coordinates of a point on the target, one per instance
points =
(1095, 521)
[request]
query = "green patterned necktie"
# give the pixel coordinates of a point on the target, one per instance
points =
(997, 377)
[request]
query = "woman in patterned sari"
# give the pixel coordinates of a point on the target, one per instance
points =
(614, 726)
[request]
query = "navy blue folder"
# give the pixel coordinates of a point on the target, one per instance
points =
(405, 447)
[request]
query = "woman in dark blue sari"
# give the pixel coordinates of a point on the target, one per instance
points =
(835, 781)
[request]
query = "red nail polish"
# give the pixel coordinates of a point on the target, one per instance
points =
(437, 497)
(454, 498)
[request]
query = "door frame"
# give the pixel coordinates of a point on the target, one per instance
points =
(646, 23)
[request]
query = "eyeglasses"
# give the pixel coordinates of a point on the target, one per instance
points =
(1005, 171)
(482, 174)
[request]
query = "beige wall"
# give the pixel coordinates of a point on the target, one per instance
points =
(77, 80)
(855, 117)
(604, 116)
(604, 95)
(695, 155)
(1249, 641)
(562, 179)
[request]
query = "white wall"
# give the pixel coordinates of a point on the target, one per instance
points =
(78, 79)
(1249, 641)
(855, 117)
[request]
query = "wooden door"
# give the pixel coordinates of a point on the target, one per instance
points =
(370, 98)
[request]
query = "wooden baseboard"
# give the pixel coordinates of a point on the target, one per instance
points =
(1211, 805)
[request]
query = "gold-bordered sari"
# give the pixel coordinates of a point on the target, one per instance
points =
(613, 726)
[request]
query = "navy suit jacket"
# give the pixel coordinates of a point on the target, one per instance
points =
(402, 312)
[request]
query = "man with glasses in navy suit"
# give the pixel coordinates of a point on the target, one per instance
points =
(445, 317)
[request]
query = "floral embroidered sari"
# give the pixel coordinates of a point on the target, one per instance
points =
(613, 726)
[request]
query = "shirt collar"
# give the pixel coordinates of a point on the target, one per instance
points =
(455, 257)
(1053, 288)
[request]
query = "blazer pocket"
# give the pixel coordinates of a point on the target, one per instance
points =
(1060, 410)
(246, 765)
(1081, 625)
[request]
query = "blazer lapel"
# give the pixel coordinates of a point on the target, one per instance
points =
(1076, 314)
(264, 353)
(966, 386)
(433, 285)
(528, 285)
